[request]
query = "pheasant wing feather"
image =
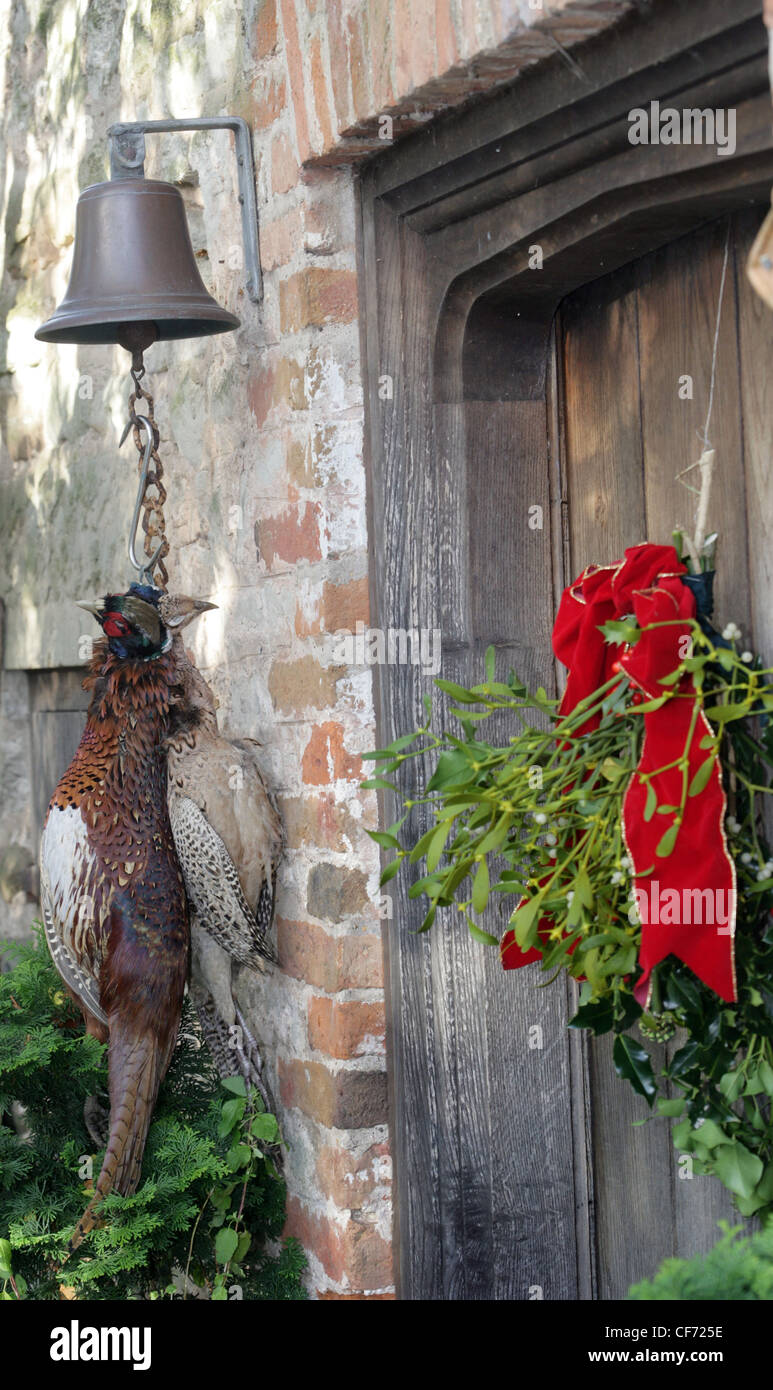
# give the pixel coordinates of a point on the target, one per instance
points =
(213, 886)
(63, 904)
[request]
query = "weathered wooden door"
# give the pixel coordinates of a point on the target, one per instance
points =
(635, 354)
(551, 382)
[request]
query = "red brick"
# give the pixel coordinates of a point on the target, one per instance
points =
(326, 760)
(295, 58)
(330, 1294)
(276, 386)
(319, 820)
(447, 51)
(380, 54)
(346, 1029)
(308, 952)
(291, 536)
(317, 1234)
(356, 1254)
(319, 88)
(265, 29)
(269, 99)
(358, 67)
(316, 296)
(284, 165)
(304, 684)
(280, 239)
(367, 1257)
(344, 1100)
(350, 1181)
(339, 64)
(344, 605)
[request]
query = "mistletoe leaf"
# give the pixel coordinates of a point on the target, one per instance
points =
(666, 842)
(480, 887)
(701, 779)
(524, 922)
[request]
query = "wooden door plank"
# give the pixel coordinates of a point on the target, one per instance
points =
(632, 1166)
(677, 303)
(678, 297)
(755, 332)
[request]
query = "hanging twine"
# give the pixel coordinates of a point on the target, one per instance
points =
(694, 544)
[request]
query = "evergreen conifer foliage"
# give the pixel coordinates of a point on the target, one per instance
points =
(211, 1201)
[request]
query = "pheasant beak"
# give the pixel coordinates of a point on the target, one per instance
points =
(202, 606)
(89, 607)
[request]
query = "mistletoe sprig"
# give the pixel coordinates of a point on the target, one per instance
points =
(541, 816)
(539, 820)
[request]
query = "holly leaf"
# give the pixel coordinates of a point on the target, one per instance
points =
(598, 1015)
(633, 1064)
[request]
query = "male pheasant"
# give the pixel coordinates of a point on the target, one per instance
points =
(229, 837)
(112, 891)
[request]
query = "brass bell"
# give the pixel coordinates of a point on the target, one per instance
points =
(134, 277)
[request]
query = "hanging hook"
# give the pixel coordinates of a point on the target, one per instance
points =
(144, 571)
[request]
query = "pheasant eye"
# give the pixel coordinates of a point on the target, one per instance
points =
(115, 625)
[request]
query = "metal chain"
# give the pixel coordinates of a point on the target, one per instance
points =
(153, 522)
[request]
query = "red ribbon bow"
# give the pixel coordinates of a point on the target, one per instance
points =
(686, 899)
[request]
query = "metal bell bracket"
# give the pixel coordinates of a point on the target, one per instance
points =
(127, 161)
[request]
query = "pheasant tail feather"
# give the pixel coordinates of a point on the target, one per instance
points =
(136, 1068)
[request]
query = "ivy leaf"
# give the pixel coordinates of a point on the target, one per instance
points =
(731, 1085)
(670, 1108)
(226, 1242)
(633, 1064)
(235, 1084)
(738, 1168)
(710, 1135)
(230, 1116)
(265, 1127)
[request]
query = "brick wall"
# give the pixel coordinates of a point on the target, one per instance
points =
(263, 436)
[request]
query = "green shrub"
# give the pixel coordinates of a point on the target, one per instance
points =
(211, 1202)
(736, 1268)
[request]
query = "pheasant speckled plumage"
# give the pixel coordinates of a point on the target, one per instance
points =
(112, 890)
(229, 838)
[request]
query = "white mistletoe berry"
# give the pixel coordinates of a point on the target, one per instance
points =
(731, 632)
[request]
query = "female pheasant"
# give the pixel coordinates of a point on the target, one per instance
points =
(112, 892)
(229, 839)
